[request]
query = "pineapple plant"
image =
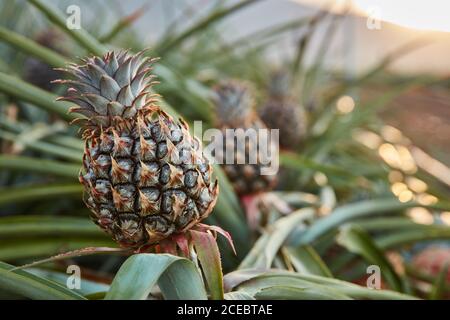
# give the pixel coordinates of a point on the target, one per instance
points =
(144, 175)
(235, 107)
(281, 111)
(137, 196)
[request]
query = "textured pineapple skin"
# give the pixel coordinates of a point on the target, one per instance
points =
(247, 179)
(287, 116)
(146, 179)
(235, 110)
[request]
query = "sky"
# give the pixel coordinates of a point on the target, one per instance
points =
(416, 14)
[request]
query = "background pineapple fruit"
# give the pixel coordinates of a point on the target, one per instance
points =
(235, 110)
(145, 176)
(38, 72)
(432, 260)
(281, 111)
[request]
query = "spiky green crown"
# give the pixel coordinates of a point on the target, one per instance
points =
(234, 102)
(113, 87)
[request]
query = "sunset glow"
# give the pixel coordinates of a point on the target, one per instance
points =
(416, 14)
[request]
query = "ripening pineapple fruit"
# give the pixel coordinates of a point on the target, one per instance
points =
(281, 111)
(144, 175)
(235, 110)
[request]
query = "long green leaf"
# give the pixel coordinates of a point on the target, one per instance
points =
(240, 278)
(137, 276)
(346, 213)
(358, 241)
(306, 260)
(41, 166)
(230, 215)
(268, 245)
(395, 233)
(29, 193)
(87, 251)
(87, 287)
(294, 161)
(44, 147)
(43, 247)
(406, 237)
(22, 128)
(122, 24)
(31, 286)
(33, 226)
(29, 46)
(303, 45)
(80, 35)
(24, 91)
(290, 292)
(383, 224)
(201, 25)
(264, 34)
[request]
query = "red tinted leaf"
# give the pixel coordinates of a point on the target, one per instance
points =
(209, 256)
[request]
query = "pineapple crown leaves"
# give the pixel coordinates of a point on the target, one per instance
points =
(234, 102)
(114, 86)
